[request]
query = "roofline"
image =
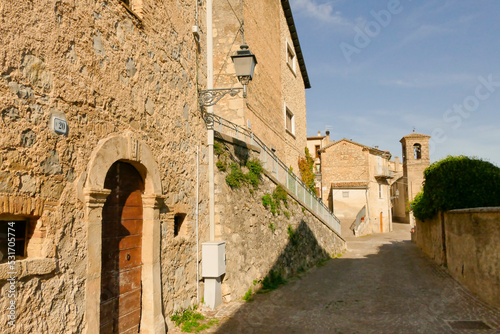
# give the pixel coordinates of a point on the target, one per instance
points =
(295, 39)
(371, 149)
(317, 137)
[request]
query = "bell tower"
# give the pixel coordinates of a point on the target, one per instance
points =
(415, 161)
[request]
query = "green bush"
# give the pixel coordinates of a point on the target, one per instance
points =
(236, 177)
(272, 281)
(221, 165)
(457, 183)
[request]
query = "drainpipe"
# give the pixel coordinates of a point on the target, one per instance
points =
(197, 224)
(210, 110)
(213, 253)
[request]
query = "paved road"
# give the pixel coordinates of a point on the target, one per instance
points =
(382, 284)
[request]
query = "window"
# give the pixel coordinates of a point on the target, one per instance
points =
(316, 149)
(289, 121)
(417, 151)
(12, 239)
(379, 190)
(178, 220)
(290, 57)
(318, 168)
(345, 194)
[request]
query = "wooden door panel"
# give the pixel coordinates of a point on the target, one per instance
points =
(129, 321)
(129, 258)
(121, 291)
(131, 227)
(130, 242)
(130, 280)
(129, 301)
(132, 212)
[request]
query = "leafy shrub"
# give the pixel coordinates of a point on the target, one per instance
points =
(189, 320)
(221, 165)
(236, 177)
(272, 281)
(457, 183)
(306, 166)
(254, 170)
(273, 202)
(248, 295)
(219, 148)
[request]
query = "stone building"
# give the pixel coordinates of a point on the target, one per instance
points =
(275, 109)
(103, 159)
(415, 160)
(314, 144)
(357, 178)
(100, 120)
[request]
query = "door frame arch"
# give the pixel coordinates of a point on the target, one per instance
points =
(125, 148)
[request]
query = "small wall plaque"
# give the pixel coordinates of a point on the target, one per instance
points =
(60, 126)
(58, 123)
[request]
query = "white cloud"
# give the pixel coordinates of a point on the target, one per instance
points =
(323, 12)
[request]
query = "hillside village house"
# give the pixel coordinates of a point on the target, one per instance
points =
(103, 154)
(357, 180)
(314, 144)
(275, 108)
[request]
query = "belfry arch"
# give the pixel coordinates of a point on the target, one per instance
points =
(124, 148)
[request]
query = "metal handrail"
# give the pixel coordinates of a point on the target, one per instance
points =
(299, 188)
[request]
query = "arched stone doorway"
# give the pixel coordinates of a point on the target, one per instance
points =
(121, 261)
(95, 192)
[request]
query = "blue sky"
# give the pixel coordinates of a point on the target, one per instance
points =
(380, 68)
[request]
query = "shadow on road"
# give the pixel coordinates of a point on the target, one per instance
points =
(392, 288)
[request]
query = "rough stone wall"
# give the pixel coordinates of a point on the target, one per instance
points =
(472, 248)
(253, 248)
(429, 238)
(106, 72)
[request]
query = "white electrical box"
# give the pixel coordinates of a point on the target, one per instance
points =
(213, 262)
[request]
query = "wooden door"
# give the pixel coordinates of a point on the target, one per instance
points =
(121, 251)
(381, 223)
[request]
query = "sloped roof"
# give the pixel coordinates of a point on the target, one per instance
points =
(372, 150)
(295, 39)
(414, 135)
(350, 184)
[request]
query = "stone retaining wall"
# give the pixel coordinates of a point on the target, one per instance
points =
(471, 248)
(254, 247)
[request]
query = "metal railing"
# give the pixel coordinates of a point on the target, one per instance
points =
(277, 168)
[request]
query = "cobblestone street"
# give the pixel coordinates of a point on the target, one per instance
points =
(382, 284)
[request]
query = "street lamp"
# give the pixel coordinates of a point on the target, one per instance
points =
(244, 64)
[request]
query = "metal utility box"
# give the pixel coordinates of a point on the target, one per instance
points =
(213, 258)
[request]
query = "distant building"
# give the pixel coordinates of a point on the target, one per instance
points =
(357, 181)
(314, 144)
(407, 186)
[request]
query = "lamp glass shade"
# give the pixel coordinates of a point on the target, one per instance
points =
(244, 66)
(244, 63)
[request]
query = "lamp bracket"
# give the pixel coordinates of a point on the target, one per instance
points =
(210, 97)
